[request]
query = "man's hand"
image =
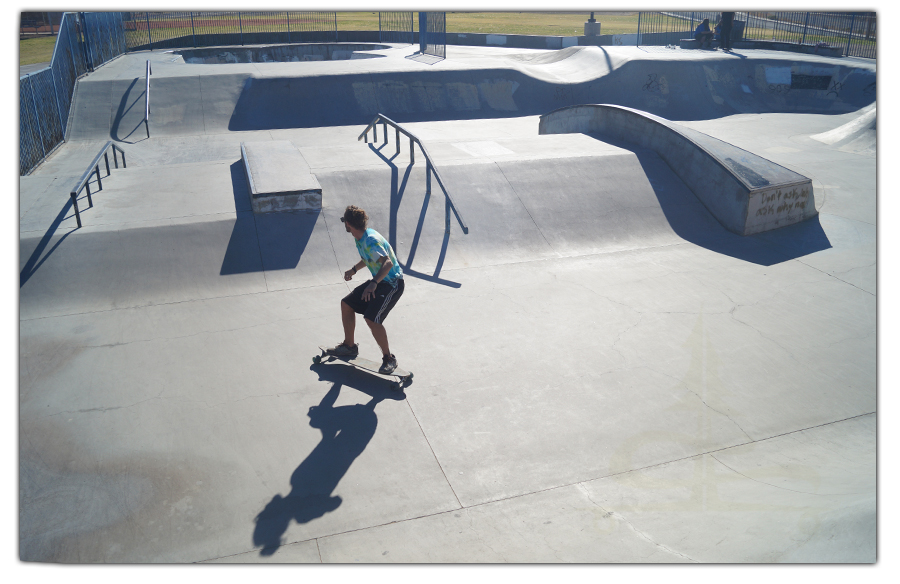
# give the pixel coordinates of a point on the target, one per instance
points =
(369, 292)
(348, 275)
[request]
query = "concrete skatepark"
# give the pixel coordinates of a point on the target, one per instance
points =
(604, 373)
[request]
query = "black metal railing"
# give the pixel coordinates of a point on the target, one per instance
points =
(429, 165)
(170, 30)
(396, 27)
(84, 183)
(853, 32)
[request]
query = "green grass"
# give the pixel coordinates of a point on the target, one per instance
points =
(540, 23)
(40, 50)
(36, 50)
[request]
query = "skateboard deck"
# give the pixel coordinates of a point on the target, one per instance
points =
(404, 377)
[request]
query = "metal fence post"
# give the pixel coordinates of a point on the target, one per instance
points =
(805, 28)
(289, 24)
(36, 116)
(423, 32)
(71, 49)
(850, 34)
(241, 27)
(149, 36)
(638, 41)
(58, 109)
(193, 32)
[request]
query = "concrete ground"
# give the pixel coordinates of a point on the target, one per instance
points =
(603, 374)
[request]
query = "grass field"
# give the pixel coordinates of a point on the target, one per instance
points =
(36, 50)
(39, 50)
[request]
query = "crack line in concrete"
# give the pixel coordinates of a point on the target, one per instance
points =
(440, 466)
(578, 484)
(778, 487)
(637, 531)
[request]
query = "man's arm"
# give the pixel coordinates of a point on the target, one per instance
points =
(348, 275)
(386, 266)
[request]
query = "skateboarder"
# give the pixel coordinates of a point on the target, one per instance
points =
(375, 298)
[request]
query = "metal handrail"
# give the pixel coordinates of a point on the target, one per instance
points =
(147, 100)
(94, 168)
(429, 165)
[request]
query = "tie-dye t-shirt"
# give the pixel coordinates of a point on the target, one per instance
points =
(373, 246)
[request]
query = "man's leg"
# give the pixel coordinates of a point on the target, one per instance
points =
(380, 334)
(348, 317)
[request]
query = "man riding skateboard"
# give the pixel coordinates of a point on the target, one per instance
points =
(375, 298)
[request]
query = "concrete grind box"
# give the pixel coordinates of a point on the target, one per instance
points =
(279, 178)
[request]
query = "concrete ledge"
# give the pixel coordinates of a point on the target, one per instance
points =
(279, 178)
(746, 193)
(790, 47)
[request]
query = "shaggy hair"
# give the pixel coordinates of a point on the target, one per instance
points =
(356, 217)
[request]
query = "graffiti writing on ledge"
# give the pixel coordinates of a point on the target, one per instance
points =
(652, 83)
(836, 87)
(778, 202)
(779, 88)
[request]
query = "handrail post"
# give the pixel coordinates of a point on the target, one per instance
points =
(412, 151)
(398, 132)
(447, 216)
(106, 157)
(384, 127)
(99, 184)
(427, 176)
(74, 197)
(147, 99)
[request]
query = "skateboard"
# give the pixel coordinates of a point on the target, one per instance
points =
(404, 377)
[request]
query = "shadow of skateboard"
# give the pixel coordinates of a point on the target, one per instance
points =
(404, 377)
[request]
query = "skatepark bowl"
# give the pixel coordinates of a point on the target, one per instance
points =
(655, 344)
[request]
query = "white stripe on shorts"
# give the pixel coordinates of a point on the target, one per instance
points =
(387, 300)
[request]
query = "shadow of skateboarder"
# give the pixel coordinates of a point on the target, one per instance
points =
(346, 431)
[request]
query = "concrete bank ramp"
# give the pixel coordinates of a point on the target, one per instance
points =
(858, 135)
(221, 101)
(745, 192)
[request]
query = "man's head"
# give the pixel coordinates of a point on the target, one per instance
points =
(355, 217)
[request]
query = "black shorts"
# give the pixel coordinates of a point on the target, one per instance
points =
(377, 308)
